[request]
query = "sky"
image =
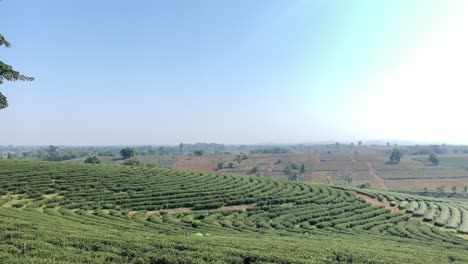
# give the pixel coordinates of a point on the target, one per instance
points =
(235, 72)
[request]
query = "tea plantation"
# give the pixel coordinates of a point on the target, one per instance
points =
(79, 213)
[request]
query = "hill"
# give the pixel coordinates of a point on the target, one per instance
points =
(79, 213)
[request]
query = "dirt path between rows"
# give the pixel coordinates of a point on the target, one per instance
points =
(377, 180)
(317, 159)
(378, 203)
(270, 169)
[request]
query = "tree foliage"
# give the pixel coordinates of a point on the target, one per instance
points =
(132, 162)
(396, 155)
(128, 152)
(433, 159)
(9, 74)
(92, 160)
(199, 152)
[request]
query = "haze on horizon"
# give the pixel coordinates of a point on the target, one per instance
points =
(235, 72)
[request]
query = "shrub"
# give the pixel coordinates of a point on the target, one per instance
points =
(132, 162)
(127, 153)
(92, 160)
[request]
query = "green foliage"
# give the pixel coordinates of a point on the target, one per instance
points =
(441, 188)
(128, 152)
(433, 159)
(107, 153)
(293, 170)
(93, 160)
(199, 152)
(134, 161)
(254, 170)
(9, 74)
(53, 153)
(396, 155)
(365, 185)
(220, 165)
(230, 165)
(241, 156)
(111, 214)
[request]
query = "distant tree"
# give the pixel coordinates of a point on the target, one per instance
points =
(441, 188)
(93, 160)
(395, 155)
(8, 73)
(199, 152)
(128, 152)
(151, 150)
(106, 153)
(360, 143)
(294, 175)
(425, 189)
(254, 170)
(302, 169)
(348, 178)
(454, 189)
(388, 144)
(365, 185)
(242, 156)
(230, 165)
(53, 154)
(294, 166)
(52, 149)
(433, 159)
(274, 150)
(220, 165)
(466, 188)
(132, 162)
(352, 145)
(181, 148)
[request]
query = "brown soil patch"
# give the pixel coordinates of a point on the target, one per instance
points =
(373, 201)
(377, 180)
(313, 176)
(431, 184)
(131, 213)
(270, 169)
(203, 163)
(317, 159)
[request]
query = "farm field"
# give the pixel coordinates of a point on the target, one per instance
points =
(351, 166)
(126, 214)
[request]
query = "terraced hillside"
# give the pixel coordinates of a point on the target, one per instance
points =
(77, 213)
(450, 213)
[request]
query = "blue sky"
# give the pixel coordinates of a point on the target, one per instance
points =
(163, 72)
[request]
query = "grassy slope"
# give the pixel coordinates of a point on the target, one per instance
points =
(79, 213)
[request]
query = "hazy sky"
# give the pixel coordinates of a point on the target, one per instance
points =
(244, 71)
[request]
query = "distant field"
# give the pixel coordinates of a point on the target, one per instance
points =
(364, 165)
